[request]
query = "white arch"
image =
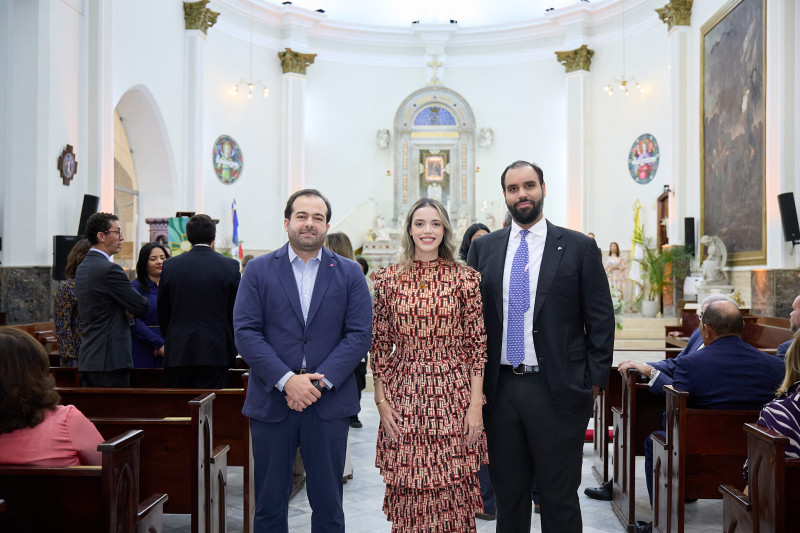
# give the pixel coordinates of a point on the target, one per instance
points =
(152, 154)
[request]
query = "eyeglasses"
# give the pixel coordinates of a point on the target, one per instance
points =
(114, 231)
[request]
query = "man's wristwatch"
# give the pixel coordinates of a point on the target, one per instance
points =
(317, 385)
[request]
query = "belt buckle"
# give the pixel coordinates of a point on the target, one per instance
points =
(303, 371)
(514, 370)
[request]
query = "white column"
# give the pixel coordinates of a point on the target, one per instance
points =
(293, 133)
(29, 166)
(576, 162)
(683, 178)
(192, 197)
(100, 104)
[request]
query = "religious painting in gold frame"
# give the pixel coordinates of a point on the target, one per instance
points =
(732, 130)
(434, 168)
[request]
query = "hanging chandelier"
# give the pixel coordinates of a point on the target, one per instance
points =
(624, 83)
(250, 84)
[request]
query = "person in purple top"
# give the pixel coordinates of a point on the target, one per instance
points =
(146, 337)
(783, 413)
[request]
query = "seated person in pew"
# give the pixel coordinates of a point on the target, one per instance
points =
(660, 373)
(726, 374)
(794, 324)
(34, 428)
(783, 413)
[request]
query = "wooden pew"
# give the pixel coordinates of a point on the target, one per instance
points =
(231, 427)
(177, 458)
(88, 498)
(773, 504)
(766, 333)
(45, 333)
(151, 378)
(703, 448)
(640, 413)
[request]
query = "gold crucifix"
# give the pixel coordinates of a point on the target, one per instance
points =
(434, 64)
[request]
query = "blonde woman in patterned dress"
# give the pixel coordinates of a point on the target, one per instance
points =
(429, 350)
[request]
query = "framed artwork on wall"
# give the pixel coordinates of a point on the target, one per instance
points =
(732, 130)
(227, 159)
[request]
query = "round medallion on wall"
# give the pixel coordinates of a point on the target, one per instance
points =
(67, 165)
(643, 158)
(227, 159)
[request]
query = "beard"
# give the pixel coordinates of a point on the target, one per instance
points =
(306, 241)
(528, 214)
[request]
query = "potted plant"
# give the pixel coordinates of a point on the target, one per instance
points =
(659, 273)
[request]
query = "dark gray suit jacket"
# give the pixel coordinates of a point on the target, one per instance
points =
(195, 308)
(573, 317)
(104, 292)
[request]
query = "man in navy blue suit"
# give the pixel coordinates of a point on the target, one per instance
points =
(302, 321)
(659, 373)
(726, 374)
(794, 323)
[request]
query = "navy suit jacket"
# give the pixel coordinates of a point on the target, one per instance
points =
(273, 338)
(783, 348)
(729, 374)
(667, 366)
(573, 317)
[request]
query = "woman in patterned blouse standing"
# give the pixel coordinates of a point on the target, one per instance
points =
(66, 317)
(429, 351)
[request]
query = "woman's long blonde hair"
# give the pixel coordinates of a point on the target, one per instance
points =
(792, 364)
(447, 248)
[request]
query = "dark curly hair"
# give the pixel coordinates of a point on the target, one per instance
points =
(27, 388)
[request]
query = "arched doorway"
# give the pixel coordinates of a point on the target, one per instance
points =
(435, 153)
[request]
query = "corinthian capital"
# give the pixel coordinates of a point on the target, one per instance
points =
(198, 16)
(578, 59)
(676, 13)
(296, 62)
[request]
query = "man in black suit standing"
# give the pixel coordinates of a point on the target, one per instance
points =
(550, 332)
(104, 294)
(195, 311)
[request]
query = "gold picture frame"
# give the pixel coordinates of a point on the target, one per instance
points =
(434, 168)
(732, 130)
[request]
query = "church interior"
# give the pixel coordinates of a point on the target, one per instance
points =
(659, 125)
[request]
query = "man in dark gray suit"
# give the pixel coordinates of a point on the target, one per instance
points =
(195, 311)
(104, 294)
(550, 337)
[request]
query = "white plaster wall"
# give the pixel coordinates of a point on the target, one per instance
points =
(5, 32)
(614, 124)
(148, 50)
(64, 202)
(525, 105)
(256, 125)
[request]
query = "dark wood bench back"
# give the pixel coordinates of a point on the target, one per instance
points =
(88, 499)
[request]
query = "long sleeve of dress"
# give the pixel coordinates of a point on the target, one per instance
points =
(474, 334)
(382, 344)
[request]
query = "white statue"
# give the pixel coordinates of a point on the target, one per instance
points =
(382, 138)
(717, 256)
(462, 223)
(491, 221)
(487, 137)
(435, 191)
(381, 232)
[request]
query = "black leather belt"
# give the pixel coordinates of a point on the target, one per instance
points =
(521, 369)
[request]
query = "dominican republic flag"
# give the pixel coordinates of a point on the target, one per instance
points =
(236, 242)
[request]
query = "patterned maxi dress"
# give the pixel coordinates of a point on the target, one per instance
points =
(432, 314)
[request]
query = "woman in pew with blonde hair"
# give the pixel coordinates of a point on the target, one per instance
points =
(34, 429)
(783, 413)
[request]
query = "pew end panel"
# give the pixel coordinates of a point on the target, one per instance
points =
(89, 498)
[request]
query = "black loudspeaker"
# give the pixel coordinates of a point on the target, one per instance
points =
(688, 235)
(89, 208)
(62, 244)
(791, 231)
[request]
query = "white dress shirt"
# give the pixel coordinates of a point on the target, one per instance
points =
(537, 235)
